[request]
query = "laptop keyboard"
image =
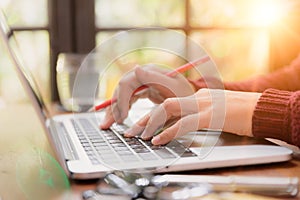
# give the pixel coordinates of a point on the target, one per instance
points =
(110, 146)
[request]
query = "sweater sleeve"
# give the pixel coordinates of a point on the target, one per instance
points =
(277, 115)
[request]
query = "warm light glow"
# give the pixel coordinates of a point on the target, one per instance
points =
(267, 13)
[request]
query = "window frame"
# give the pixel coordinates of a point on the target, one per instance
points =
(72, 29)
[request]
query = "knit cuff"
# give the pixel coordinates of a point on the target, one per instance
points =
(295, 118)
(271, 115)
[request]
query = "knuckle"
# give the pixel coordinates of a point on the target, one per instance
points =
(154, 68)
(126, 79)
(169, 103)
(204, 90)
(149, 66)
(123, 82)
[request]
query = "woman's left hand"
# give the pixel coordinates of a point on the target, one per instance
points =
(225, 110)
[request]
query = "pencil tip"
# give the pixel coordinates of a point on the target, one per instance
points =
(91, 109)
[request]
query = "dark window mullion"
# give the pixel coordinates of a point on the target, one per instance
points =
(84, 25)
(61, 36)
(72, 29)
(42, 28)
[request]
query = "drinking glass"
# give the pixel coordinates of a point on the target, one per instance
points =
(77, 81)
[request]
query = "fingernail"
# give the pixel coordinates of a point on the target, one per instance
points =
(106, 123)
(141, 69)
(103, 124)
(156, 140)
(145, 138)
(128, 133)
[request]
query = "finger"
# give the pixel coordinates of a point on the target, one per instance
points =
(155, 96)
(155, 121)
(153, 78)
(127, 85)
(150, 93)
(139, 95)
(181, 127)
(138, 127)
(170, 108)
(164, 83)
(108, 119)
(116, 113)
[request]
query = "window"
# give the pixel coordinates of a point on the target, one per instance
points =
(223, 28)
(33, 36)
(242, 36)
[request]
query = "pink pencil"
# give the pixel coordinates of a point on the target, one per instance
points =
(180, 69)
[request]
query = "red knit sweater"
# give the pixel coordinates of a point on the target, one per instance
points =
(277, 113)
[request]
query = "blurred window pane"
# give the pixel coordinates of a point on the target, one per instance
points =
(119, 61)
(33, 44)
(34, 49)
(132, 13)
(236, 13)
(26, 12)
(224, 28)
(224, 46)
(147, 42)
(10, 88)
(238, 53)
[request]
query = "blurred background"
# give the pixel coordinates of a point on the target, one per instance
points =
(244, 37)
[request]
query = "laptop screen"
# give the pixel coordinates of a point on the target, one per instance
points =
(24, 74)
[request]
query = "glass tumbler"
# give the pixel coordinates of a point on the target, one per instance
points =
(77, 81)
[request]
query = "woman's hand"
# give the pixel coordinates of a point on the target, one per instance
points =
(160, 87)
(225, 110)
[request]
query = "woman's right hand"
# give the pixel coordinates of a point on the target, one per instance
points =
(160, 87)
(229, 111)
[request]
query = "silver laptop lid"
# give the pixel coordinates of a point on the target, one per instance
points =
(24, 74)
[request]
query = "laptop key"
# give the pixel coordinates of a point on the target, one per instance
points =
(120, 148)
(118, 145)
(110, 146)
(127, 152)
(188, 154)
(143, 150)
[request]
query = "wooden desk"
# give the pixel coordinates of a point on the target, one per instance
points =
(23, 147)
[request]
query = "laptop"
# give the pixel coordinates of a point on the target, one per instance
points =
(86, 152)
